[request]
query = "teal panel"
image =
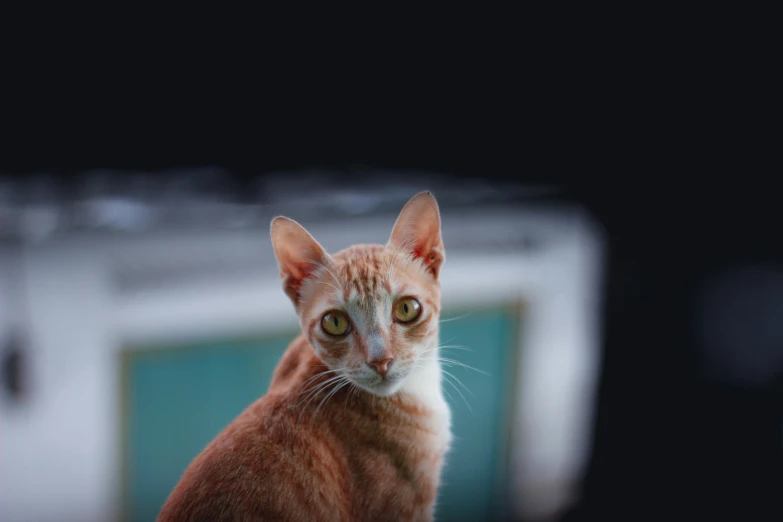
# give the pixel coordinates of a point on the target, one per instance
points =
(475, 478)
(179, 398)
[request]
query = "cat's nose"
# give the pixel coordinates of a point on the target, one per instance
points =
(381, 366)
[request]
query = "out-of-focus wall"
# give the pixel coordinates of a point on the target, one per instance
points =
(88, 296)
(57, 447)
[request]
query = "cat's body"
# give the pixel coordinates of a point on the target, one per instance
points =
(354, 426)
(358, 459)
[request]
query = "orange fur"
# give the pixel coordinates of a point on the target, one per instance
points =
(333, 439)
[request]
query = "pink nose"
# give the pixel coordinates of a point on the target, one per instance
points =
(381, 366)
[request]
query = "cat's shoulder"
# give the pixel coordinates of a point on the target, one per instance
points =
(234, 464)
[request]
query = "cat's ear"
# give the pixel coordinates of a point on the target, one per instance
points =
(417, 232)
(298, 254)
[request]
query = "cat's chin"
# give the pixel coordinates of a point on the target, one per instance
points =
(384, 388)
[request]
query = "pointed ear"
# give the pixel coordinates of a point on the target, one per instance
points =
(298, 254)
(417, 232)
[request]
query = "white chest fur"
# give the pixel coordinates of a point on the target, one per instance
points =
(425, 385)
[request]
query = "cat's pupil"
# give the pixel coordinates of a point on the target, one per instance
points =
(335, 321)
(405, 307)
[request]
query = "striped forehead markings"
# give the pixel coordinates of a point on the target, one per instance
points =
(363, 272)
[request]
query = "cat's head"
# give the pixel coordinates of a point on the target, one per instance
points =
(370, 311)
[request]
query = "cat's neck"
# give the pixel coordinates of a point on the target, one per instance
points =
(424, 382)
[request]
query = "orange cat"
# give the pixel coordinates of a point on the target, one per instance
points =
(354, 426)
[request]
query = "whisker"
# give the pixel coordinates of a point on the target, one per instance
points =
(351, 391)
(444, 390)
(463, 365)
(460, 393)
(455, 318)
(324, 373)
(317, 387)
(448, 347)
(440, 345)
(313, 394)
(456, 379)
(313, 397)
(452, 362)
(340, 385)
(448, 394)
(455, 347)
(319, 375)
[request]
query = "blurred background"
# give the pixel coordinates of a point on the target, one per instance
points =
(613, 230)
(141, 313)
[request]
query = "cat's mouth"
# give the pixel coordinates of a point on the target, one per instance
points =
(383, 386)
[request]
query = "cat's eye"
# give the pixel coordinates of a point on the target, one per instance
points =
(335, 323)
(407, 309)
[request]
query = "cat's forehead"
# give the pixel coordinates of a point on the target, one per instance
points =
(366, 271)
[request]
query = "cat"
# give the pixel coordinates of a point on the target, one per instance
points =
(354, 426)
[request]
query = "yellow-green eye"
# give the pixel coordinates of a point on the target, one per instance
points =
(335, 323)
(407, 309)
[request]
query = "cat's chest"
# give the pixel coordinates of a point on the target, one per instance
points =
(424, 390)
(401, 465)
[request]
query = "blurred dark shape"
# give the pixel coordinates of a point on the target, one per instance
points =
(741, 325)
(690, 408)
(13, 374)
